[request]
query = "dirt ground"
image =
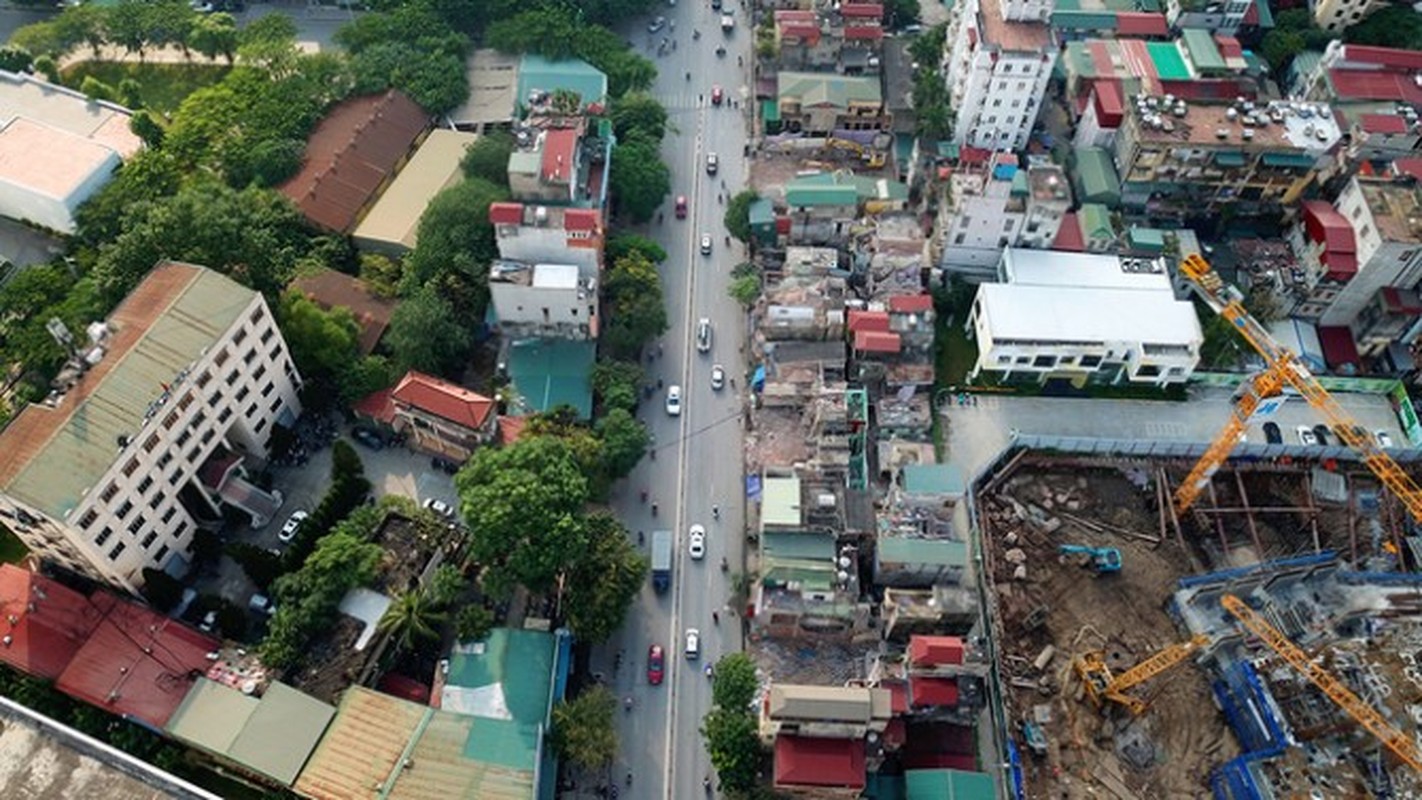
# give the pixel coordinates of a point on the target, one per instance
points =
(1045, 599)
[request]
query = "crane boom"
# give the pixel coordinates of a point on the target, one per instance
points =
(1398, 742)
(1158, 663)
(1286, 369)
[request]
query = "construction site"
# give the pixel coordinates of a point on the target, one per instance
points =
(1239, 624)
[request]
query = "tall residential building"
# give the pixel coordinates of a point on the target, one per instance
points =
(992, 203)
(1336, 16)
(999, 57)
(145, 436)
(549, 300)
(539, 234)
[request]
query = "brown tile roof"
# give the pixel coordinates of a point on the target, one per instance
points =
(349, 156)
(332, 289)
(443, 399)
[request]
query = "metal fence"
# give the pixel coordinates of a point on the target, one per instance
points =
(1154, 448)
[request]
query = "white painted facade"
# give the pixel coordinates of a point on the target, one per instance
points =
(1385, 230)
(994, 207)
(1218, 16)
(998, 60)
(545, 300)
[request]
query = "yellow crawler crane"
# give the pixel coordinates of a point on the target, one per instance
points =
(1102, 686)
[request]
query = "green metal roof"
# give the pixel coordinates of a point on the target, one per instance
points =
(1095, 222)
(761, 212)
(1204, 53)
(770, 110)
(553, 372)
(1289, 159)
(934, 479)
(1096, 176)
(1152, 239)
(185, 309)
(780, 501)
(505, 682)
(804, 558)
(808, 195)
(948, 784)
(272, 736)
(573, 74)
(938, 552)
(1266, 14)
(1083, 20)
(828, 89)
(1169, 61)
(1229, 158)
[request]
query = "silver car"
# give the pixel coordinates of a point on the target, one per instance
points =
(703, 333)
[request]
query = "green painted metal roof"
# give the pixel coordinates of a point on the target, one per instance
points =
(780, 501)
(948, 784)
(939, 552)
(552, 372)
(516, 667)
(828, 89)
(761, 212)
(770, 110)
(1095, 222)
(1152, 239)
(934, 479)
(1097, 176)
(803, 195)
(1204, 53)
(1229, 158)
(1083, 20)
(804, 558)
(574, 74)
(273, 735)
(1169, 61)
(1289, 159)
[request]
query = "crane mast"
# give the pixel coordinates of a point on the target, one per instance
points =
(1282, 368)
(1398, 742)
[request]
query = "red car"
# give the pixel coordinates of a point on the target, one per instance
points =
(717, 95)
(654, 665)
(681, 206)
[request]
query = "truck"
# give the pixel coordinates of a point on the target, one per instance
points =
(661, 560)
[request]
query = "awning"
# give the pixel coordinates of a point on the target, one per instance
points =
(1301, 160)
(1339, 349)
(770, 111)
(1229, 158)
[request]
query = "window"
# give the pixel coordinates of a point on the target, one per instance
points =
(161, 554)
(252, 411)
(130, 467)
(997, 103)
(225, 415)
(260, 426)
(221, 357)
(183, 438)
(135, 526)
(175, 477)
(959, 238)
(207, 437)
(1007, 226)
(1091, 362)
(88, 519)
(261, 371)
(256, 315)
(145, 484)
(149, 540)
(103, 537)
(276, 405)
(155, 501)
(240, 337)
(168, 515)
(204, 379)
(267, 390)
(1044, 362)
(117, 551)
(231, 379)
(242, 395)
(199, 419)
(267, 335)
(151, 443)
(249, 357)
(1004, 359)
(124, 509)
(185, 402)
(195, 454)
(164, 460)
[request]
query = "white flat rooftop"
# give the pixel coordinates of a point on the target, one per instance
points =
(1087, 314)
(1081, 270)
(555, 276)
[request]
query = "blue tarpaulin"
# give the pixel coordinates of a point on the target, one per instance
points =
(753, 487)
(758, 378)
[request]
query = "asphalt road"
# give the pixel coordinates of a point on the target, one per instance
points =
(698, 463)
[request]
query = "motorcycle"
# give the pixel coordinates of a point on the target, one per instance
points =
(695, 35)
(654, 509)
(724, 566)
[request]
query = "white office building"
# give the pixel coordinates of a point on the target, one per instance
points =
(543, 300)
(145, 437)
(1086, 318)
(998, 58)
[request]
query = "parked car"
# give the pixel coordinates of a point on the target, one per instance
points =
(439, 507)
(718, 377)
(261, 604)
(656, 665)
(693, 644)
(1323, 434)
(368, 438)
(656, 24)
(703, 334)
(712, 163)
(1272, 434)
(674, 400)
(696, 542)
(1306, 435)
(293, 524)
(681, 206)
(1384, 440)
(444, 465)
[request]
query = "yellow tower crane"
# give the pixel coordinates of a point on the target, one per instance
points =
(1101, 685)
(1282, 368)
(1398, 742)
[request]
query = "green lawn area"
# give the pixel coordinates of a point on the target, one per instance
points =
(11, 550)
(162, 86)
(956, 353)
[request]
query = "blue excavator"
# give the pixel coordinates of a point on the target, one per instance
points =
(1102, 560)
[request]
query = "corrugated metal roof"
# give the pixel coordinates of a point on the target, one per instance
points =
(806, 761)
(828, 89)
(331, 289)
(788, 701)
(538, 73)
(948, 784)
(395, 217)
(551, 372)
(55, 455)
(780, 501)
(1204, 53)
(927, 552)
(351, 153)
(51, 622)
(1096, 176)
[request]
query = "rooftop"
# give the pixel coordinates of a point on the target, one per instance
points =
(50, 622)
(272, 735)
(821, 89)
(548, 373)
(67, 110)
(780, 501)
(533, 215)
(538, 74)
(395, 217)
(806, 761)
(1277, 124)
(443, 399)
(922, 551)
(49, 161)
(493, 89)
(506, 681)
(1088, 314)
(351, 153)
(1396, 207)
(1017, 37)
(788, 701)
(331, 289)
(1021, 266)
(56, 454)
(1048, 182)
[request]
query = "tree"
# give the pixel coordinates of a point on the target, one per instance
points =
(616, 384)
(1280, 46)
(426, 335)
(411, 618)
(639, 179)
(146, 128)
(735, 684)
(447, 583)
(95, 89)
(583, 731)
(161, 590)
(324, 344)
(1393, 26)
(381, 274)
(472, 623)
(734, 746)
(559, 31)
(564, 423)
(604, 579)
(737, 219)
(260, 564)
(127, 25)
(215, 35)
(623, 244)
(521, 504)
(624, 442)
(307, 599)
(488, 158)
(636, 313)
(638, 114)
(15, 59)
(270, 42)
(745, 284)
(435, 80)
(455, 238)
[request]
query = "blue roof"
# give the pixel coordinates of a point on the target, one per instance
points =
(548, 373)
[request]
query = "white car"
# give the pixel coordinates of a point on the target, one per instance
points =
(696, 542)
(703, 333)
(693, 644)
(718, 377)
(705, 244)
(1306, 435)
(439, 507)
(293, 522)
(712, 163)
(674, 400)
(656, 24)
(1384, 440)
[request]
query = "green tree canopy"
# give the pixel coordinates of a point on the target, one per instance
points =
(521, 504)
(488, 158)
(426, 335)
(1397, 26)
(638, 114)
(472, 623)
(639, 179)
(412, 617)
(455, 238)
(322, 342)
(308, 598)
(583, 731)
(603, 579)
(559, 31)
(733, 743)
(624, 441)
(745, 284)
(737, 218)
(635, 311)
(215, 35)
(623, 244)
(735, 684)
(616, 384)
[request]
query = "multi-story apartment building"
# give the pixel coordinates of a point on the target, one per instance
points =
(1217, 16)
(1336, 16)
(993, 203)
(147, 432)
(1084, 318)
(998, 58)
(547, 300)
(539, 234)
(1179, 159)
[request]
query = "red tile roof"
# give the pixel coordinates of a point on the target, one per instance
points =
(803, 761)
(865, 32)
(1362, 85)
(1382, 123)
(137, 663)
(1339, 349)
(898, 695)
(933, 691)
(862, 10)
(1408, 166)
(932, 651)
(973, 155)
(44, 622)
(443, 399)
(510, 428)
(1139, 23)
(1404, 60)
(877, 342)
(1069, 236)
(910, 303)
(559, 147)
(861, 320)
(1110, 108)
(1229, 46)
(331, 289)
(798, 25)
(582, 219)
(1324, 225)
(505, 213)
(376, 406)
(350, 154)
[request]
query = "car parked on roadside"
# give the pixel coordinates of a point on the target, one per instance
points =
(713, 162)
(293, 524)
(439, 507)
(656, 24)
(370, 439)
